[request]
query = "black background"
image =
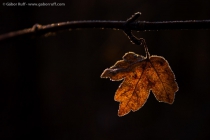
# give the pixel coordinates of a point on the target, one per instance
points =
(50, 87)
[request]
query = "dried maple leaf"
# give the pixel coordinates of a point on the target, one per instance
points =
(141, 74)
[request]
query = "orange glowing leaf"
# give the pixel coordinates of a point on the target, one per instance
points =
(141, 74)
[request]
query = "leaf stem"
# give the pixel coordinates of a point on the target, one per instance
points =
(145, 48)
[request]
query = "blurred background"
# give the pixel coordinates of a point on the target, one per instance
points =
(50, 87)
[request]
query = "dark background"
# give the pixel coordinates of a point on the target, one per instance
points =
(50, 87)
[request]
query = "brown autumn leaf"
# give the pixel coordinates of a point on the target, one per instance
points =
(141, 74)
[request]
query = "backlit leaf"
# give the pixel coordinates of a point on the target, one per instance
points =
(140, 75)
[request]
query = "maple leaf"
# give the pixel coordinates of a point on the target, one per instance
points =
(141, 74)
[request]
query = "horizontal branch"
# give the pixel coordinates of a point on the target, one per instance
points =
(38, 29)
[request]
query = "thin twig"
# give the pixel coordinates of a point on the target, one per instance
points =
(130, 24)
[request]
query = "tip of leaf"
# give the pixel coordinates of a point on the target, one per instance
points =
(105, 74)
(121, 114)
(170, 102)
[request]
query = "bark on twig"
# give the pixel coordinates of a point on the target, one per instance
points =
(130, 24)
